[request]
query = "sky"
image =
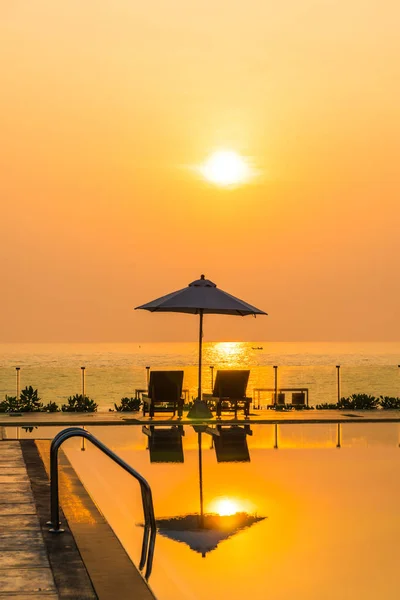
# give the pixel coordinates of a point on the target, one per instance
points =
(109, 108)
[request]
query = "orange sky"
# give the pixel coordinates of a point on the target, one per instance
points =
(106, 106)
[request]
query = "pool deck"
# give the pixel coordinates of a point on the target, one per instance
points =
(260, 417)
(25, 571)
(86, 562)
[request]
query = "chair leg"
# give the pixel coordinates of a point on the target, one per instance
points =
(151, 411)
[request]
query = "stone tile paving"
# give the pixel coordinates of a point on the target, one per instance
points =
(25, 572)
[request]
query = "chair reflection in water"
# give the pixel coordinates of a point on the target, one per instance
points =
(165, 443)
(229, 393)
(230, 442)
(164, 393)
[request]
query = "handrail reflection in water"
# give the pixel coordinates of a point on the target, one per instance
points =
(149, 534)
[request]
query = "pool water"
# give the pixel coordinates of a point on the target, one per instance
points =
(305, 520)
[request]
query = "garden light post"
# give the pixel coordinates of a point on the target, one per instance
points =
(83, 383)
(147, 376)
(338, 382)
(17, 370)
(212, 377)
(275, 384)
(83, 448)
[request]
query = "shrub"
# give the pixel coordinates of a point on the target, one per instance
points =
(79, 403)
(10, 404)
(51, 407)
(327, 406)
(129, 404)
(358, 402)
(389, 402)
(29, 400)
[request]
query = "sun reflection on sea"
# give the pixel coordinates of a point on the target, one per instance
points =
(229, 354)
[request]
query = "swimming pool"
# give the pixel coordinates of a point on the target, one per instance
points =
(314, 521)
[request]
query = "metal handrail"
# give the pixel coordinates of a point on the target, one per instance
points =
(147, 500)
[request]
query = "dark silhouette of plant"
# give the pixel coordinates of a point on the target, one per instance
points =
(10, 404)
(79, 403)
(358, 402)
(129, 404)
(327, 406)
(51, 407)
(389, 402)
(29, 400)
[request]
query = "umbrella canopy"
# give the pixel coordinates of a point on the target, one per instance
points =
(201, 297)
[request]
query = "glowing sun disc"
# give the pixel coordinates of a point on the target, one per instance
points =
(225, 167)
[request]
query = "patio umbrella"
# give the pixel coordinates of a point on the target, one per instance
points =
(199, 298)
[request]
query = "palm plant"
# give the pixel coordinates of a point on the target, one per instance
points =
(389, 402)
(9, 405)
(129, 404)
(51, 407)
(79, 403)
(29, 400)
(359, 402)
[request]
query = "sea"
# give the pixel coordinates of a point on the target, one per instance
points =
(116, 370)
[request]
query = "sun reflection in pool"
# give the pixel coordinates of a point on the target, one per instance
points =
(226, 507)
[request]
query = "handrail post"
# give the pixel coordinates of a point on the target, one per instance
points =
(54, 503)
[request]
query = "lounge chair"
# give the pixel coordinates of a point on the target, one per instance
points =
(164, 394)
(229, 393)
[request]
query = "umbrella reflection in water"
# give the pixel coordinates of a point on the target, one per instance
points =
(203, 532)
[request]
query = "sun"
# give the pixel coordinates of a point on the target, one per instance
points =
(225, 168)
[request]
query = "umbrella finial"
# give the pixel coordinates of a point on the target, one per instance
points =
(202, 282)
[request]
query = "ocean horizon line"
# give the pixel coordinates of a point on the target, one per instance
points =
(221, 341)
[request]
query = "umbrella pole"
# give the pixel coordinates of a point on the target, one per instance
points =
(200, 409)
(199, 395)
(201, 482)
